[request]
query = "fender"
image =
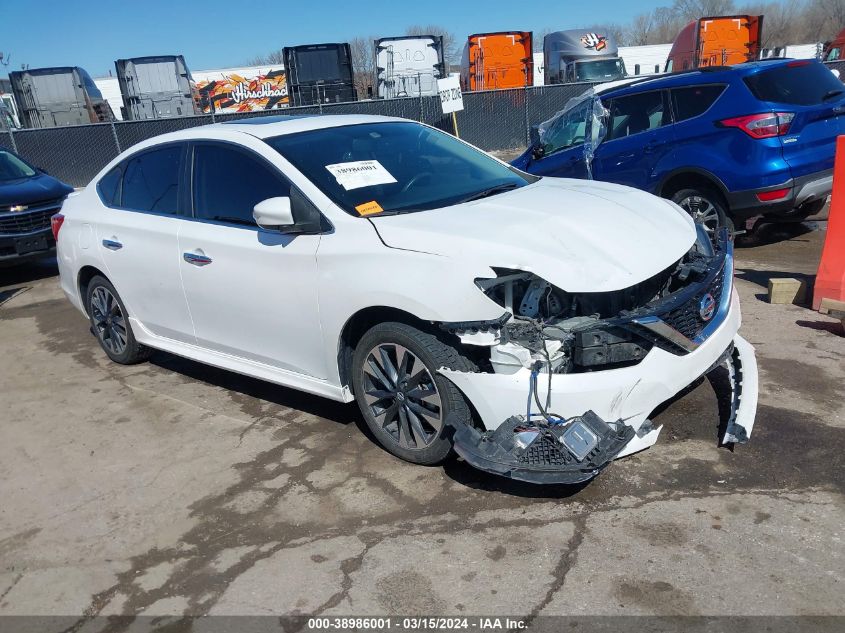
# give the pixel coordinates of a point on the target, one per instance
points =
(709, 175)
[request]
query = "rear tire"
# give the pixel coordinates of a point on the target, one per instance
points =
(705, 206)
(110, 323)
(404, 401)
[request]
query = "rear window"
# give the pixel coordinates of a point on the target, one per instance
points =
(694, 100)
(150, 181)
(795, 83)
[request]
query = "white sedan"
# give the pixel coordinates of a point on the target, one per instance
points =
(530, 324)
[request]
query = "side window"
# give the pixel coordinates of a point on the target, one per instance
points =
(109, 187)
(636, 113)
(669, 63)
(568, 130)
(228, 183)
(151, 181)
(833, 55)
(695, 100)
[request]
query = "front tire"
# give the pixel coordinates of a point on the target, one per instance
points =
(705, 206)
(110, 323)
(406, 404)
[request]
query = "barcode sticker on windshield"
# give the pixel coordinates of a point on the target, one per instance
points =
(360, 173)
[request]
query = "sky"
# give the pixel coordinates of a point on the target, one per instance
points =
(226, 33)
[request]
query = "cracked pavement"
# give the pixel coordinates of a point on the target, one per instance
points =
(172, 488)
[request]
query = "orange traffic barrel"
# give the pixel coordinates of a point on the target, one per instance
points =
(830, 279)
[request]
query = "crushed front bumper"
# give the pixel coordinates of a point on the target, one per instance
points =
(546, 459)
(626, 395)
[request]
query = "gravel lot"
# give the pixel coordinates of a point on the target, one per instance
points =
(174, 488)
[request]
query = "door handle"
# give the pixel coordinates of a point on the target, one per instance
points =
(112, 245)
(196, 260)
(651, 147)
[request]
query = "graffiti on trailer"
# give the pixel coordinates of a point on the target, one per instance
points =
(234, 93)
(594, 41)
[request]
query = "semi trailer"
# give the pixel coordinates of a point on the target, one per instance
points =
(156, 87)
(576, 55)
(319, 73)
(56, 97)
(408, 66)
(497, 60)
(716, 41)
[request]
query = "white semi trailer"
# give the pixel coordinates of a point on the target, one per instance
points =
(408, 66)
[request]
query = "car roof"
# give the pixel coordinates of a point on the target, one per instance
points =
(710, 74)
(277, 125)
(261, 127)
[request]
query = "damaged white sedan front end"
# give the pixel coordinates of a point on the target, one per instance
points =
(574, 376)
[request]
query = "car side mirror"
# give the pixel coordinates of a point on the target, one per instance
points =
(274, 214)
(292, 215)
(538, 151)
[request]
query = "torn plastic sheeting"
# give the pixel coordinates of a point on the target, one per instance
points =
(595, 118)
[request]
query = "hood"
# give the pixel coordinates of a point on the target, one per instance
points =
(579, 235)
(38, 188)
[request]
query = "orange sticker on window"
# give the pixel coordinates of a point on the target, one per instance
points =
(369, 208)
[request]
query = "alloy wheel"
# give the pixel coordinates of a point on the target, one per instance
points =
(109, 320)
(702, 211)
(402, 396)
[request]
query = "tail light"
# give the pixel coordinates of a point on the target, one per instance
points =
(767, 125)
(56, 223)
(775, 194)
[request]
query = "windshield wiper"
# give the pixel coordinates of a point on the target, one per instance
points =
(832, 93)
(490, 191)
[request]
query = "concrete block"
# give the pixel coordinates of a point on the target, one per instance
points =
(787, 290)
(832, 307)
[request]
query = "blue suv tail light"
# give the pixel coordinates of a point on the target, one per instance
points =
(765, 125)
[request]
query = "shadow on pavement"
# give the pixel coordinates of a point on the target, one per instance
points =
(258, 389)
(14, 276)
(823, 326)
(771, 233)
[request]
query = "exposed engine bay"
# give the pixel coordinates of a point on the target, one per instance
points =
(558, 332)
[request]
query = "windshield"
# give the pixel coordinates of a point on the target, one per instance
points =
(388, 168)
(13, 168)
(600, 70)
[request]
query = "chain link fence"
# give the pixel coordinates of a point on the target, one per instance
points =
(494, 120)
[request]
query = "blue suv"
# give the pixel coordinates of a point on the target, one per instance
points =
(728, 144)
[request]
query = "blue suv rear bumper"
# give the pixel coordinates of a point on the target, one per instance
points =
(803, 190)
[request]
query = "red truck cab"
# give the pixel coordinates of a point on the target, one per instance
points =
(716, 41)
(835, 50)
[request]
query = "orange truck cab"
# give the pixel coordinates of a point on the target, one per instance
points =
(835, 50)
(497, 60)
(716, 41)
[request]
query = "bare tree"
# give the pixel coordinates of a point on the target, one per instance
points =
(451, 46)
(270, 59)
(823, 19)
(539, 36)
(362, 50)
(780, 23)
(689, 10)
(640, 30)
